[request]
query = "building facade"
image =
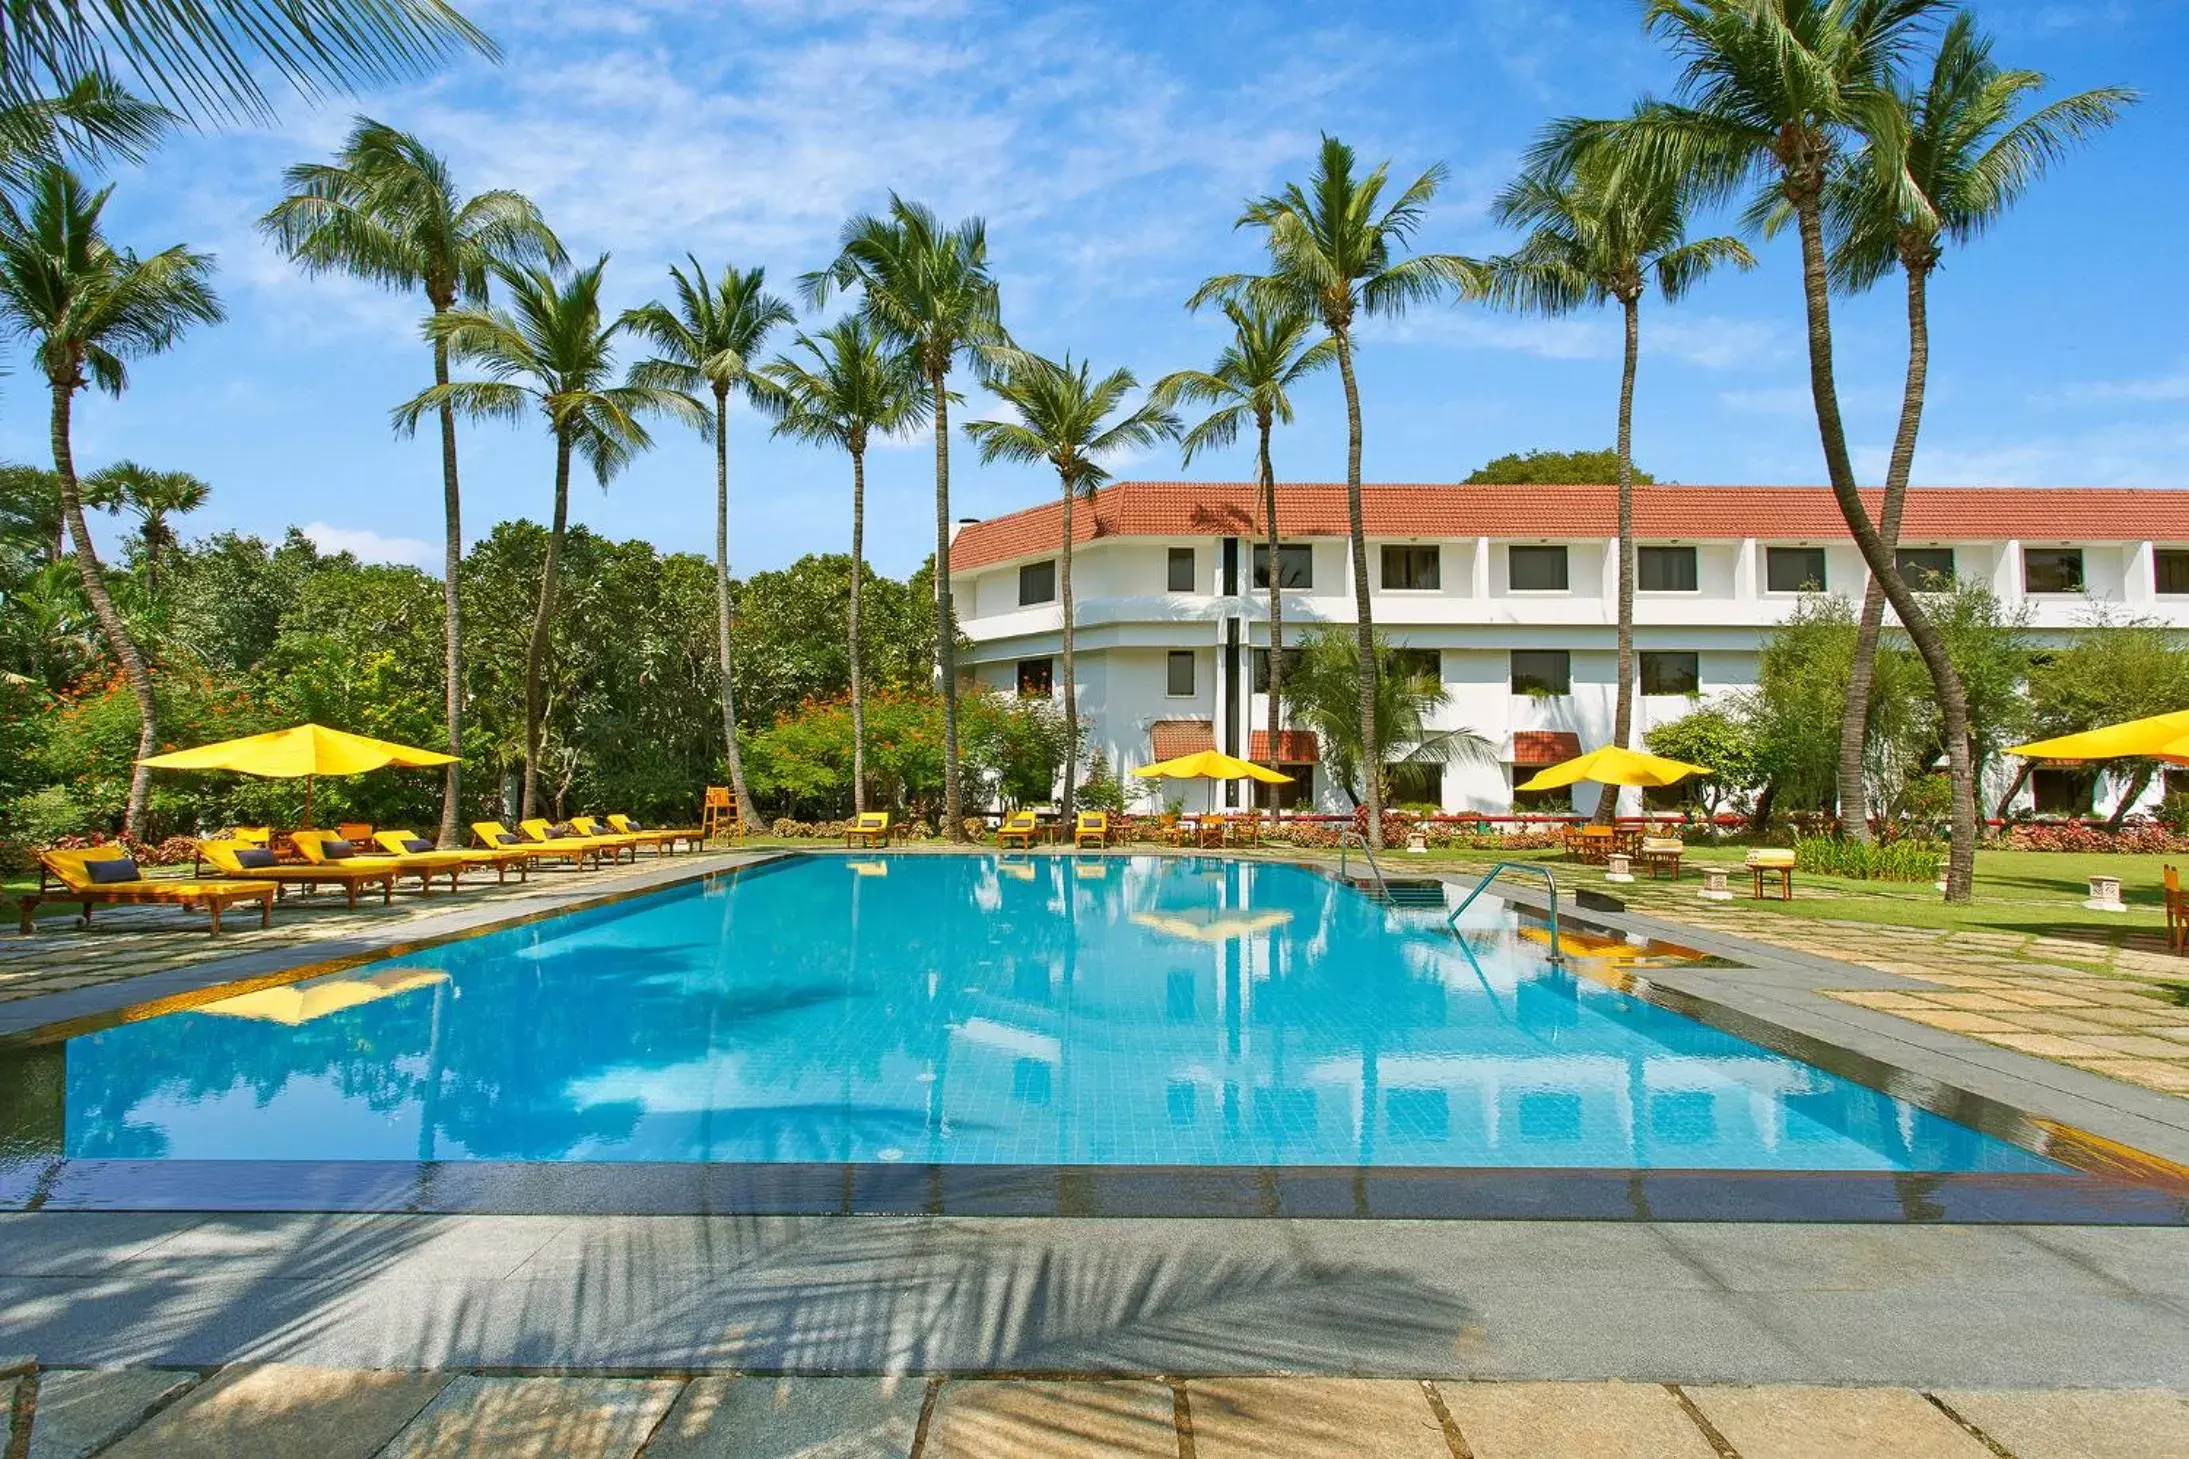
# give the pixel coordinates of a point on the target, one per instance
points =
(1509, 595)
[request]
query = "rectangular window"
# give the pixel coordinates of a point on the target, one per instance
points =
(1542, 671)
(1037, 583)
(1536, 569)
(1181, 570)
(1295, 565)
(1261, 668)
(1926, 569)
(1413, 569)
(2170, 571)
(1665, 569)
(2063, 792)
(1672, 673)
(1180, 674)
(1417, 663)
(1793, 569)
(1540, 802)
(1297, 794)
(1036, 678)
(2052, 569)
(1417, 785)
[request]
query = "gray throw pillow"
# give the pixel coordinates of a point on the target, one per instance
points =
(254, 858)
(334, 848)
(416, 844)
(119, 868)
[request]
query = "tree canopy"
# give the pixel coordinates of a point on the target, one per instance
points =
(1553, 468)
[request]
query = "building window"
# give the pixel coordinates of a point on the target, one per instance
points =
(1181, 674)
(1666, 569)
(2063, 792)
(2170, 571)
(1413, 569)
(1793, 569)
(1417, 663)
(1181, 570)
(1417, 784)
(2052, 569)
(1298, 793)
(1261, 668)
(1036, 678)
(1539, 802)
(1542, 671)
(1037, 583)
(1672, 673)
(1295, 565)
(1926, 569)
(1536, 569)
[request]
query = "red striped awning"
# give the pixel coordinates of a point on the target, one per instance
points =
(1294, 747)
(1171, 738)
(1544, 747)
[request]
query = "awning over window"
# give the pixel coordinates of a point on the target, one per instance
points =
(1294, 747)
(1535, 748)
(1174, 737)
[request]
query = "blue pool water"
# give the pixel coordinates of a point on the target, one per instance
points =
(1038, 1010)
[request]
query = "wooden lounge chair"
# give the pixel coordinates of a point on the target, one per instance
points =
(501, 858)
(665, 840)
(1092, 826)
(1661, 854)
(338, 859)
(2177, 911)
(1019, 826)
(1763, 862)
(545, 833)
(1245, 829)
(234, 859)
(65, 876)
(496, 836)
(868, 828)
(594, 830)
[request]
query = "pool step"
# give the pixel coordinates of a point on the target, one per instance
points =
(1403, 891)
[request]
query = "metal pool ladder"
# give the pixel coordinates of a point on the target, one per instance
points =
(1346, 839)
(1557, 956)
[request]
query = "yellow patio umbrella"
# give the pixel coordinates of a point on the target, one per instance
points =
(300, 1003)
(1212, 766)
(1216, 925)
(1613, 765)
(305, 750)
(2164, 736)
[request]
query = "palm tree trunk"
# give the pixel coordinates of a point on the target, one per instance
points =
(2139, 780)
(858, 571)
(2014, 788)
(1071, 678)
(118, 640)
(452, 561)
(1622, 719)
(726, 658)
(1953, 707)
(1276, 597)
(535, 657)
(1854, 729)
(946, 638)
(1365, 627)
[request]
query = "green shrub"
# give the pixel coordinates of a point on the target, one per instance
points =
(1902, 860)
(45, 816)
(2174, 812)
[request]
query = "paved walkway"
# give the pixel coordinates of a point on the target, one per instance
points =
(335, 1413)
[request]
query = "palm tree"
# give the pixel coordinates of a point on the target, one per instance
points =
(928, 289)
(1946, 162)
(87, 308)
(1065, 418)
(88, 116)
(1334, 253)
(388, 210)
(548, 350)
(1326, 698)
(709, 342)
(1599, 233)
(152, 497)
(1252, 380)
(849, 389)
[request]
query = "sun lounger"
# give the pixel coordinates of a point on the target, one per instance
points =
(869, 828)
(664, 840)
(1019, 826)
(66, 876)
(594, 830)
(1092, 826)
(339, 861)
(425, 865)
(574, 849)
(406, 843)
(542, 830)
(237, 859)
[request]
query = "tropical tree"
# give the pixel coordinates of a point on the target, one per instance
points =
(548, 350)
(87, 116)
(1944, 163)
(1335, 253)
(709, 342)
(1326, 688)
(841, 389)
(1071, 420)
(30, 508)
(1600, 233)
(151, 497)
(388, 210)
(927, 289)
(1252, 380)
(87, 308)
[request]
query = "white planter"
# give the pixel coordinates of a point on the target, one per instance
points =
(1417, 842)
(1714, 887)
(2105, 895)
(1619, 868)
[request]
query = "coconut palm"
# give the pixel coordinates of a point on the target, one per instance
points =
(387, 209)
(548, 350)
(927, 289)
(842, 388)
(88, 117)
(1252, 380)
(151, 497)
(1069, 419)
(709, 343)
(1946, 161)
(1335, 253)
(1326, 690)
(1599, 233)
(86, 309)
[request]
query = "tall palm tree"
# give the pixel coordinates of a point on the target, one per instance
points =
(1945, 163)
(709, 342)
(150, 496)
(89, 117)
(1252, 380)
(1069, 419)
(1335, 253)
(1600, 233)
(548, 350)
(87, 308)
(928, 289)
(847, 388)
(387, 209)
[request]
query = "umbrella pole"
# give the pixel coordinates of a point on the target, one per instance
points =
(307, 802)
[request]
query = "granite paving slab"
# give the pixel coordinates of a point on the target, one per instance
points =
(1048, 1419)
(2079, 1425)
(1833, 1423)
(792, 1418)
(82, 1410)
(536, 1418)
(284, 1408)
(1565, 1420)
(1310, 1418)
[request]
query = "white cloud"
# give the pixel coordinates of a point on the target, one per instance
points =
(369, 546)
(2157, 387)
(1708, 340)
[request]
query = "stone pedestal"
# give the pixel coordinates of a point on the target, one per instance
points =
(1417, 842)
(1619, 868)
(1714, 887)
(2105, 895)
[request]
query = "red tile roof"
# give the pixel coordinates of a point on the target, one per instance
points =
(1174, 737)
(1299, 747)
(1227, 509)
(1544, 747)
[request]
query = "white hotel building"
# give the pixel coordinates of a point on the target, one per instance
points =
(1509, 593)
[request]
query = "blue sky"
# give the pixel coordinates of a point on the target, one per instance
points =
(1109, 147)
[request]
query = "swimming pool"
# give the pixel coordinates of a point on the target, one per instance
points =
(1045, 1011)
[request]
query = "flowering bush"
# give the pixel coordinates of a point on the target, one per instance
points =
(2144, 839)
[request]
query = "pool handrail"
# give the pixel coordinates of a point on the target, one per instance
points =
(1558, 957)
(1346, 838)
